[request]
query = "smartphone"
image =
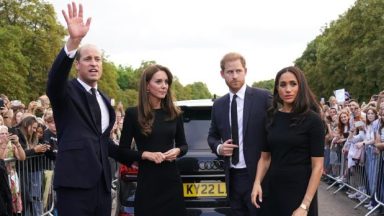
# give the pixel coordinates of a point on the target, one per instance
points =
(16, 103)
(12, 138)
(1, 103)
(38, 102)
(359, 124)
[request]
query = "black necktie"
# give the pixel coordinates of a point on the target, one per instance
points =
(234, 130)
(95, 108)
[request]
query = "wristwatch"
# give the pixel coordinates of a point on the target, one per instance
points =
(303, 206)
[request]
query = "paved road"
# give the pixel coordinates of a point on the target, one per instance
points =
(337, 204)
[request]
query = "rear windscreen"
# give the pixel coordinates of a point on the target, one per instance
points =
(196, 125)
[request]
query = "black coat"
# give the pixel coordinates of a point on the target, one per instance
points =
(5, 192)
(256, 103)
(83, 149)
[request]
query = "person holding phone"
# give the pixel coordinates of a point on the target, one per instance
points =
(5, 192)
(31, 172)
(2, 106)
(11, 148)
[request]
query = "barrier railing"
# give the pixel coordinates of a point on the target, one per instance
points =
(379, 192)
(31, 185)
(362, 177)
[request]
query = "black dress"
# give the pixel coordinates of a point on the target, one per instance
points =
(159, 188)
(291, 149)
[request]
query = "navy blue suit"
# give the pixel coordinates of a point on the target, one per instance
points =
(82, 166)
(256, 102)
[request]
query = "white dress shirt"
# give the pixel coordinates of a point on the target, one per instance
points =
(103, 106)
(240, 107)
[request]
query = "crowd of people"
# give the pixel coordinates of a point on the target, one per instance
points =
(275, 146)
(355, 131)
(354, 141)
(28, 134)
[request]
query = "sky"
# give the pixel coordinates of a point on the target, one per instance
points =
(191, 37)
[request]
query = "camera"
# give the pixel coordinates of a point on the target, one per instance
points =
(15, 103)
(12, 139)
(1, 104)
(359, 124)
(38, 103)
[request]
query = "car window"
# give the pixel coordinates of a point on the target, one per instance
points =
(196, 125)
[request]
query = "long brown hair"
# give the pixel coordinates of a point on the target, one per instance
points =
(340, 125)
(145, 111)
(31, 139)
(373, 109)
(305, 100)
(381, 121)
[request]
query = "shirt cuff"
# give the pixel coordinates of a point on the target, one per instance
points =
(218, 149)
(71, 54)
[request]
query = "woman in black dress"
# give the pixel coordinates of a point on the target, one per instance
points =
(156, 125)
(294, 153)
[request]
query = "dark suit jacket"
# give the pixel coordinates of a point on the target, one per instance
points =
(82, 148)
(256, 102)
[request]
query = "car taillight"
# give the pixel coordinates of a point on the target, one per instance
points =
(131, 170)
(127, 211)
(126, 214)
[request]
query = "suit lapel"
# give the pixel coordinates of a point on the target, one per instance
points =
(248, 102)
(88, 115)
(226, 115)
(112, 116)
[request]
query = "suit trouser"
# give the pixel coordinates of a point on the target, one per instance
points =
(240, 190)
(94, 201)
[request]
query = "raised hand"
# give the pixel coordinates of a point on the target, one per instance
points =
(77, 29)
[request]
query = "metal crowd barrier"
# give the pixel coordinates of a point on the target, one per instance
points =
(364, 179)
(32, 180)
(379, 193)
(31, 185)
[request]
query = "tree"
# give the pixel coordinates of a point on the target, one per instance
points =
(30, 38)
(265, 84)
(40, 37)
(127, 77)
(179, 90)
(198, 90)
(108, 82)
(13, 64)
(349, 53)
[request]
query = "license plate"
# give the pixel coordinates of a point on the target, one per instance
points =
(213, 189)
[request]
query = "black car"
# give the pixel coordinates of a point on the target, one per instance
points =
(201, 171)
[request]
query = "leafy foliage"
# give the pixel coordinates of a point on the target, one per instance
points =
(31, 37)
(349, 53)
(265, 84)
